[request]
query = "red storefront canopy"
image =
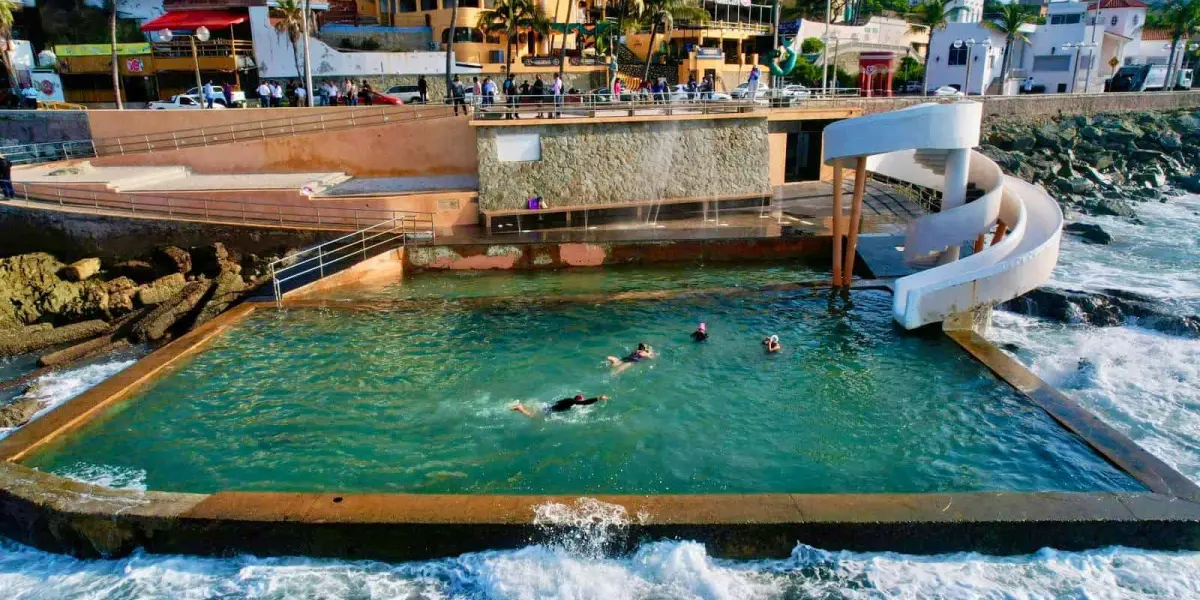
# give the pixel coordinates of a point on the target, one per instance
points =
(189, 20)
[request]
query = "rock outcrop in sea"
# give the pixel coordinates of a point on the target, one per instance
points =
(1102, 164)
(73, 312)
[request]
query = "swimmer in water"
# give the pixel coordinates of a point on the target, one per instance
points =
(772, 344)
(700, 334)
(561, 406)
(643, 351)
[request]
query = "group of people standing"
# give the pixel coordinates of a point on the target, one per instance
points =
(329, 93)
(485, 93)
(213, 92)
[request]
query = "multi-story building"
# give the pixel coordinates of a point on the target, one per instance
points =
(965, 11)
(1076, 49)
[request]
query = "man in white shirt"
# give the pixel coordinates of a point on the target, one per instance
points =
(301, 96)
(264, 95)
(209, 94)
(558, 95)
(276, 94)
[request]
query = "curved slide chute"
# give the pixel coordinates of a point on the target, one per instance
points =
(930, 145)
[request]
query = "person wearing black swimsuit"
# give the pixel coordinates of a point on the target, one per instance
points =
(643, 351)
(700, 334)
(561, 406)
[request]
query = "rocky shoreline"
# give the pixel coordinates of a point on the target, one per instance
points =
(69, 313)
(1103, 164)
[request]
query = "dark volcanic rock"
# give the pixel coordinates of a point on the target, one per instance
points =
(170, 259)
(1089, 232)
(18, 412)
(1103, 308)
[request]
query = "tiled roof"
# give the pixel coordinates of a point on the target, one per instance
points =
(1161, 33)
(1103, 4)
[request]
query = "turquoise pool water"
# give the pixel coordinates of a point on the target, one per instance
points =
(531, 285)
(409, 400)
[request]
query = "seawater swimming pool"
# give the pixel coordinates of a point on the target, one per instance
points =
(397, 398)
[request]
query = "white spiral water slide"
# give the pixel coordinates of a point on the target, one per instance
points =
(931, 145)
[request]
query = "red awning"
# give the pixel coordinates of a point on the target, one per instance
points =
(189, 20)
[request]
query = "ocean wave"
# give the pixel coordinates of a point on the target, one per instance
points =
(55, 388)
(658, 570)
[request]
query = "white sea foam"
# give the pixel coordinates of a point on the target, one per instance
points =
(55, 388)
(109, 476)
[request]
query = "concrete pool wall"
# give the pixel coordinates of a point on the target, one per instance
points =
(60, 515)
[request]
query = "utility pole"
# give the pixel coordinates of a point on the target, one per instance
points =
(307, 55)
(825, 54)
(1099, 22)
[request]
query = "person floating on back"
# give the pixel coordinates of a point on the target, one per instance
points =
(700, 334)
(772, 344)
(561, 406)
(643, 351)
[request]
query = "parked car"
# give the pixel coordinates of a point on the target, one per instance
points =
(408, 94)
(180, 102)
(946, 91)
(239, 97)
(604, 96)
(796, 91)
(740, 92)
(377, 98)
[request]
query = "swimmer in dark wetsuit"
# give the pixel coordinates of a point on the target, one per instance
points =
(700, 334)
(643, 351)
(561, 406)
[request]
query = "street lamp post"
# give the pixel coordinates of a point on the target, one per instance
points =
(1076, 46)
(201, 33)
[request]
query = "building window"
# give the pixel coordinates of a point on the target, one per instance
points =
(1052, 63)
(957, 56)
(1072, 19)
(1113, 22)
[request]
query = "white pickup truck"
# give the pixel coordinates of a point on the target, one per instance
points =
(181, 102)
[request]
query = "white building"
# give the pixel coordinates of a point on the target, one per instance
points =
(966, 11)
(1079, 46)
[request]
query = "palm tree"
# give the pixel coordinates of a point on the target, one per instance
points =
(112, 36)
(289, 20)
(934, 15)
(662, 13)
(1182, 17)
(511, 18)
(1008, 20)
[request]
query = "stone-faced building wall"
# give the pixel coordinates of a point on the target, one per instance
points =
(614, 162)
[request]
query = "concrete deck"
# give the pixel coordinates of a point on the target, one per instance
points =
(391, 186)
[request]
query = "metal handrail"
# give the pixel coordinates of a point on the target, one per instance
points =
(209, 210)
(204, 136)
(23, 154)
(321, 258)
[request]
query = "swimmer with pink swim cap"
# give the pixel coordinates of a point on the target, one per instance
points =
(700, 334)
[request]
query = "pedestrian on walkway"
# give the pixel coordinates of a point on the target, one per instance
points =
(210, 94)
(423, 89)
(510, 96)
(6, 177)
(351, 93)
(539, 94)
(456, 95)
(264, 95)
(301, 96)
(558, 89)
(276, 94)
(227, 91)
(364, 93)
(752, 84)
(489, 91)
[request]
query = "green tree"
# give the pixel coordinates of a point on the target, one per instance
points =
(511, 18)
(661, 15)
(933, 14)
(289, 15)
(1008, 21)
(811, 45)
(910, 69)
(1182, 18)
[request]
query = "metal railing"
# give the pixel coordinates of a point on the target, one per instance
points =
(257, 130)
(26, 154)
(206, 209)
(329, 257)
